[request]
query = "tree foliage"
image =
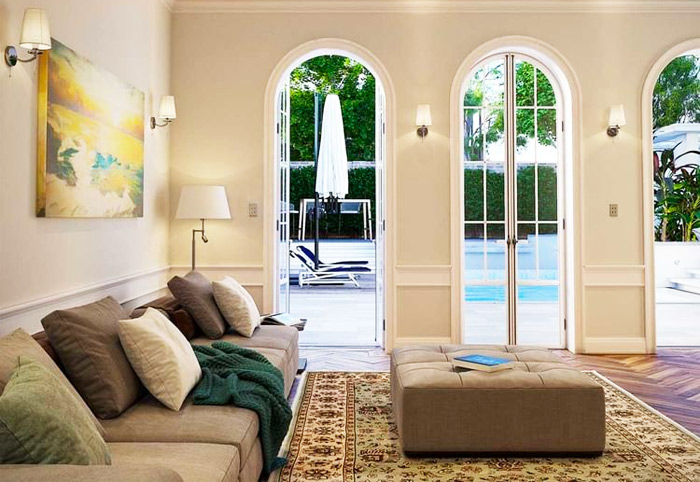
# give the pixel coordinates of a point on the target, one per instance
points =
(676, 99)
(677, 92)
(535, 102)
(354, 84)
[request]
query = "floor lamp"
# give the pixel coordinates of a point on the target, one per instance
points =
(202, 202)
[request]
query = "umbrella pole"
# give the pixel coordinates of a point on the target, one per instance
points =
(316, 213)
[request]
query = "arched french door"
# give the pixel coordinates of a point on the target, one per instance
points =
(666, 263)
(277, 172)
(513, 213)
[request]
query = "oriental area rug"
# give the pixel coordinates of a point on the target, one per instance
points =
(344, 431)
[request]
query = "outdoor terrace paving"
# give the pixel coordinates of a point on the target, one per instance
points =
(345, 316)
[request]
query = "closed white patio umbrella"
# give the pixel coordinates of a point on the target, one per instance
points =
(332, 171)
(332, 160)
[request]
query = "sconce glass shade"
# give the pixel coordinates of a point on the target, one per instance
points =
(35, 30)
(423, 117)
(167, 107)
(617, 115)
(203, 202)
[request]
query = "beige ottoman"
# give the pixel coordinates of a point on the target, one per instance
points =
(540, 406)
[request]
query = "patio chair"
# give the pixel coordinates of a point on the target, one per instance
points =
(312, 256)
(327, 274)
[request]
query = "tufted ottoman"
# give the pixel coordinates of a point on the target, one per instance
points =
(540, 406)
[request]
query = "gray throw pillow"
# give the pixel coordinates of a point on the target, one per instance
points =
(86, 340)
(195, 294)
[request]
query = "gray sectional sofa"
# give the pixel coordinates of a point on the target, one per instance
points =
(149, 442)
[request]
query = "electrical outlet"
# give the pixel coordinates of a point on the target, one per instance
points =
(253, 210)
(613, 210)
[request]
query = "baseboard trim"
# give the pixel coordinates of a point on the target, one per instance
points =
(614, 346)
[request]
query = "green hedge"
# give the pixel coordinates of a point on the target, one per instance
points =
(361, 185)
(474, 197)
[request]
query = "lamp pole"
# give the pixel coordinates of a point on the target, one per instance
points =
(194, 244)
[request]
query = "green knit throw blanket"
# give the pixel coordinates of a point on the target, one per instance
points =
(245, 378)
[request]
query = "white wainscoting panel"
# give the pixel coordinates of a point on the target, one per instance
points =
(130, 290)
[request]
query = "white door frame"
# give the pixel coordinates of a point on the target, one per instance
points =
(648, 185)
(573, 177)
(308, 50)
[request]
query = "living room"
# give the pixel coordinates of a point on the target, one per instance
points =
(582, 282)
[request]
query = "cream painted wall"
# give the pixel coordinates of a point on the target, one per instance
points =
(42, 258)
(220, 66)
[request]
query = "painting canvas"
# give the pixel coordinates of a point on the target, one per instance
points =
(90, 140)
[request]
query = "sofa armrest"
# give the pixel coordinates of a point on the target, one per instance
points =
(87, 473)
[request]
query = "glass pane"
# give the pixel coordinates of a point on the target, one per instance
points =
(473, 135)
(538, 315)
(547, 136)
(526, 192)
(474, 253)
(496, 252)
(525, 134)
(487, 85)
(547, 192)
(525, 250)
(545, 91)
(485, 291)
(474, 192)
(495, 192)
(492, 125)
(524, 83)
(548, 252)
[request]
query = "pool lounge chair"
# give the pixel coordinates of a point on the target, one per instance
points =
(312, 257)
(336, 273)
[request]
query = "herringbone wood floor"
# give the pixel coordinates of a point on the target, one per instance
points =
(668, 381)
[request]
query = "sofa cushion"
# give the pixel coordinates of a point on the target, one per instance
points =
(86, 340)
(171, 308)
(194, 292)
(87, 473)
(193, 462)
(237, 306)
(20, 343)
(148, 421)
(41, 422)
(161, 356)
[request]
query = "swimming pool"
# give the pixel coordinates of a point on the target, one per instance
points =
(497, 294)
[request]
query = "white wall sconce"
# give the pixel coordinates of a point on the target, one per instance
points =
(166, 112)
(423, 120)
(616, 119)
(35, 37)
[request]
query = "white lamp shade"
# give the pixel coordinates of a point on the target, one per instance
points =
(35, 30)
(203, 202)
(167, 107)
(617, 115)
(423, 115)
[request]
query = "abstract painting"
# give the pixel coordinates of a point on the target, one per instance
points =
(90, 140)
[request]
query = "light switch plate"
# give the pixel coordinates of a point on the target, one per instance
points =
(253, 210)
(613, 210)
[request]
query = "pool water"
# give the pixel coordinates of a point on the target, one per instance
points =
(497, 294)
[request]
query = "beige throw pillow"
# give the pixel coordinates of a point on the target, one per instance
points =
(237, 306)
(161, 356)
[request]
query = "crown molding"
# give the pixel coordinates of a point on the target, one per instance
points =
(435, 6)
